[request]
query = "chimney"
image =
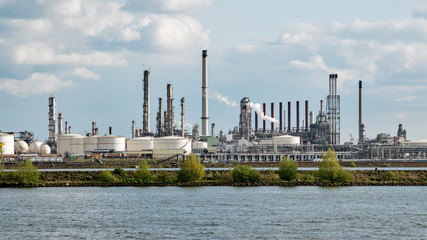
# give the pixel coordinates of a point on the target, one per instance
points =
(306, 115)
(289, 118)
(272, 116)
(297, 116)
(360, 114)
(256, 122)
(280, 117)
(59, 123)
(146, 106)
(205, 116)
(263, 122)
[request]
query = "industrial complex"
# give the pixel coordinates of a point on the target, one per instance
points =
(260, 136)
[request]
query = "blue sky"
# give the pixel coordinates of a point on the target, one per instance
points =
(91, 55)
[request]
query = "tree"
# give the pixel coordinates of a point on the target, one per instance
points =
(330, 169)
(26, 174)
(288, 170)
(142, 174)
(245, 173)
(192, 170)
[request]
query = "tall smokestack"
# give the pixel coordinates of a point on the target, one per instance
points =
(289, 117)
(59, 123)
(306, 115)
(133, 129)
(297, 116)
(110, 130)
(160, 119)
(360, 114)
(52, 123)
(284, 120)
(66, 127)
(205, 116)
(170, 111)
(280, 116)
(256, 122)
(182, 116)
(146, 106)
(272, 116)
(264, 108)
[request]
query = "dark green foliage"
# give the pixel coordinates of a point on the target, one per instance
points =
(288, 170)
(26, 174)
(120, 172)
(142, 174)
(162, 176)
(106, 176)
(245, 173)
(330, 170)
(192, 170)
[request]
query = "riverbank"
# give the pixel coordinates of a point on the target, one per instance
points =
(220, 178)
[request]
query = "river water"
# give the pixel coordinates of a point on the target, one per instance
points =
(214, 213)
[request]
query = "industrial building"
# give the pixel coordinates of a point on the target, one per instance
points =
(301, 138)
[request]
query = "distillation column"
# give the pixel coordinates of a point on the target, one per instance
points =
(52, 123)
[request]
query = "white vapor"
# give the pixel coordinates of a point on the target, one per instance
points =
(224, 99)
(257, 108)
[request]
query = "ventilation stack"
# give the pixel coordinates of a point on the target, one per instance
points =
(361, 126)
(182, 117)
(170, 113)
(333, 110)
(205, 117)
(146, 105)
(59, 123)
(160, 119)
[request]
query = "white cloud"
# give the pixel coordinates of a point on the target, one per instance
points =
(40, 54)
(38, 83)
(85, 73)
(29, 27)
(68, 7)
(166, 5)
(289, 38)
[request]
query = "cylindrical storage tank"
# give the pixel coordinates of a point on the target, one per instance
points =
(35, 147)
(21, 147)
(64, 142)
(199, 145)
(44, 149)
(77, 145)
(172, 143)
(90, 143)
(140, 144)
(9, 143)
(286, 140)
(116, 143)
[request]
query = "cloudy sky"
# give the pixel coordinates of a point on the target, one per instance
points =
(91, 55)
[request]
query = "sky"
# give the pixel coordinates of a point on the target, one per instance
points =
(91, 55)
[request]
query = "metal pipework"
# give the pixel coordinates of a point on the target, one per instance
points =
(182, 116)
(360, 114)
(146, 105)
(297, 116)
(306, 115)
(289, 117)
(59, 123)
(280, 116)
(205, 116)
(264, 108)
(272, 116)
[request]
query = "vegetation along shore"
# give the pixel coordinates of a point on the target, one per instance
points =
(193, 173)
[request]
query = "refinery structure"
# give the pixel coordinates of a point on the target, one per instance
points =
(303, 137)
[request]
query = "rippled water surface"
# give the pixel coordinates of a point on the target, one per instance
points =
(214, 213)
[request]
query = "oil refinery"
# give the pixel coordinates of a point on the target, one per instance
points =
(303, 137)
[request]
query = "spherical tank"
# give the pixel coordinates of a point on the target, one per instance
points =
(9, 143)
(44, 149)
(35, 147)
(286, 140)
(112, 142)
(21, 147)
(140, 144)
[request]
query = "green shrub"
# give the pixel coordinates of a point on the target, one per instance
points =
(245, 173)
(306, 177)
(142, 174)
(330, 170)
(270, 175)
(162, 176)
(352, 164)
(119, 171)
(26, 174)
(288, 170)
(192, 170)
(106, 176)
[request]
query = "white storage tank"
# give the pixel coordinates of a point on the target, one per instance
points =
(77, 145)
(199, 145)
(44, 149)
(21, 147)
(140, 144)
(172, 143)
(286, 140)
(35, 147)
(90, 143)
(117, 143)
(9, 143)
(64, 142)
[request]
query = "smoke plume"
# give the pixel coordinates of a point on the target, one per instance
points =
(257, 108)
(224, 99)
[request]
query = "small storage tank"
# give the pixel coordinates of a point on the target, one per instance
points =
(35, 147)
(117, 143)
(21, 147)
(140, 144)
(44, 149)
(9, 143)
(286, 140)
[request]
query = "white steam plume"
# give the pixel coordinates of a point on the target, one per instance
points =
(257, 108)
(224, 99)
